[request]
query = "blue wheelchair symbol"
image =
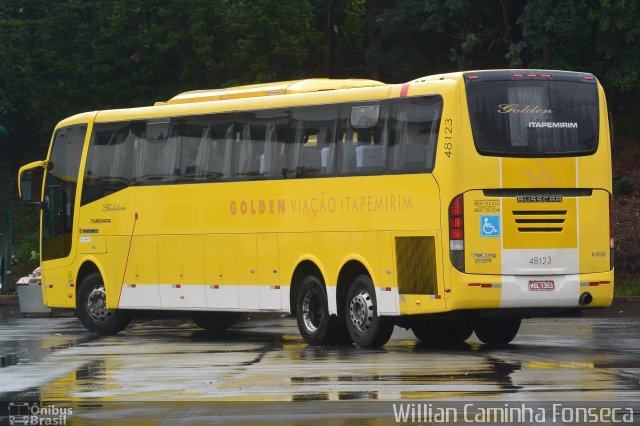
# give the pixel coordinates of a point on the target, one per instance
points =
(489, 225)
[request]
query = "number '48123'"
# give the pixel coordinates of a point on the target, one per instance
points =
(448, 136)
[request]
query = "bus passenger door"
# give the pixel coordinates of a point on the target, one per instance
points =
(268, 274)
(58, 214)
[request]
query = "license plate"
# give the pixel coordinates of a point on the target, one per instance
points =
(541, 286)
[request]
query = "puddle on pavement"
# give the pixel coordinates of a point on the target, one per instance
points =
(8, 360)
(323, 396)
(357, 395)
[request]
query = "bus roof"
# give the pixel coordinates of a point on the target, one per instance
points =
(524, 72)
(269, 89)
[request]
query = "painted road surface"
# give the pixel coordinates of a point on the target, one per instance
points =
(171, 372)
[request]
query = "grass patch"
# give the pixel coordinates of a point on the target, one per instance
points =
(627, 285)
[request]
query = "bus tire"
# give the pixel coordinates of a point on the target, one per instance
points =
(216, 322)
(438, 334)
(366, 328)
(312, 315)
(92, 311)
(497, 331)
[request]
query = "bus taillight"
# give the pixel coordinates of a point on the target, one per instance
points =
(456, 233)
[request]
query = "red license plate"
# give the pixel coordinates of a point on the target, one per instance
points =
(541, 286)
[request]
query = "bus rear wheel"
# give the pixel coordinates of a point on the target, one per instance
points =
(216, 322)
(316, 326)
(439, 334)
(498, 331)
(92, 308)
(366, 328)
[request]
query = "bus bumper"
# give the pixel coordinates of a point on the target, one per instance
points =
(469, 291)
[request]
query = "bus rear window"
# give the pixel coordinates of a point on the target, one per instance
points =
(533, 118)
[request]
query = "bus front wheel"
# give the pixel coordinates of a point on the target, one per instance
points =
(366, 328)
(498, 331)
(92, 308)
(316, 326)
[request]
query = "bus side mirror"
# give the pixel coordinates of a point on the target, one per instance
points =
(25, 181)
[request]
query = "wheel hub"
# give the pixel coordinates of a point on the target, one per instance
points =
(97, 304)
(311, 311)
(361, 310)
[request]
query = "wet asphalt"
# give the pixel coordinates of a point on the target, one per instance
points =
(171, 372)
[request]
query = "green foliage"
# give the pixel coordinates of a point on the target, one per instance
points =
(622, 185)
(25, 240)
(272, 38)
(627, 285)
(28, 249)
(557, 39)
(65, 57)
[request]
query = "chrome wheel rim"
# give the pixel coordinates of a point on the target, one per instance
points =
(311, 311)
(361, 311)
(97, 304)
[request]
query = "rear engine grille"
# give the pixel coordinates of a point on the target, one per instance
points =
(532, 220)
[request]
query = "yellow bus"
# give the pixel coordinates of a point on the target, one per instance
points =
(451, 204)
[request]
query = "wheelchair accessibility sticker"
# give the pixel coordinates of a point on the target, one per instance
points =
(490, 225)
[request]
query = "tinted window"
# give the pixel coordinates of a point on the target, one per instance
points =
(312, 152)
(363, 148)
(396, 136)
(60, 191)
(533, 117)
(109, 167)
(156, 159)
(259, 148)
(206, 148)
(413, 133)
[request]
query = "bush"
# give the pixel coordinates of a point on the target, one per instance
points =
(622, 185)
(29, 245)
(26, 230)
(627, 233)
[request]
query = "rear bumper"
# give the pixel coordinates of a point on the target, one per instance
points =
(469, 291)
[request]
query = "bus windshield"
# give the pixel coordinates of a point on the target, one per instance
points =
(529, 117)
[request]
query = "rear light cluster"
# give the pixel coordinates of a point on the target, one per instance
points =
(456, 233)
(530, 75)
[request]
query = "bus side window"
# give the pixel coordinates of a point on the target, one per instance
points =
(156, 155)
(272, 161)
(122, 144)
(363, 148)
(312, 150)
(209, 140)
(192, 137)
(259, 147)
(414, 133)
(109, 166)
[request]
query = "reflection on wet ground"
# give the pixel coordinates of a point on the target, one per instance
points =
(581, 358)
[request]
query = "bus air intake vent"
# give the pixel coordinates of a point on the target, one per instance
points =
(539, 220)
(416, 263)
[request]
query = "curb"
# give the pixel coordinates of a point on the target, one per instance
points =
(626, 299)
(8, 299)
